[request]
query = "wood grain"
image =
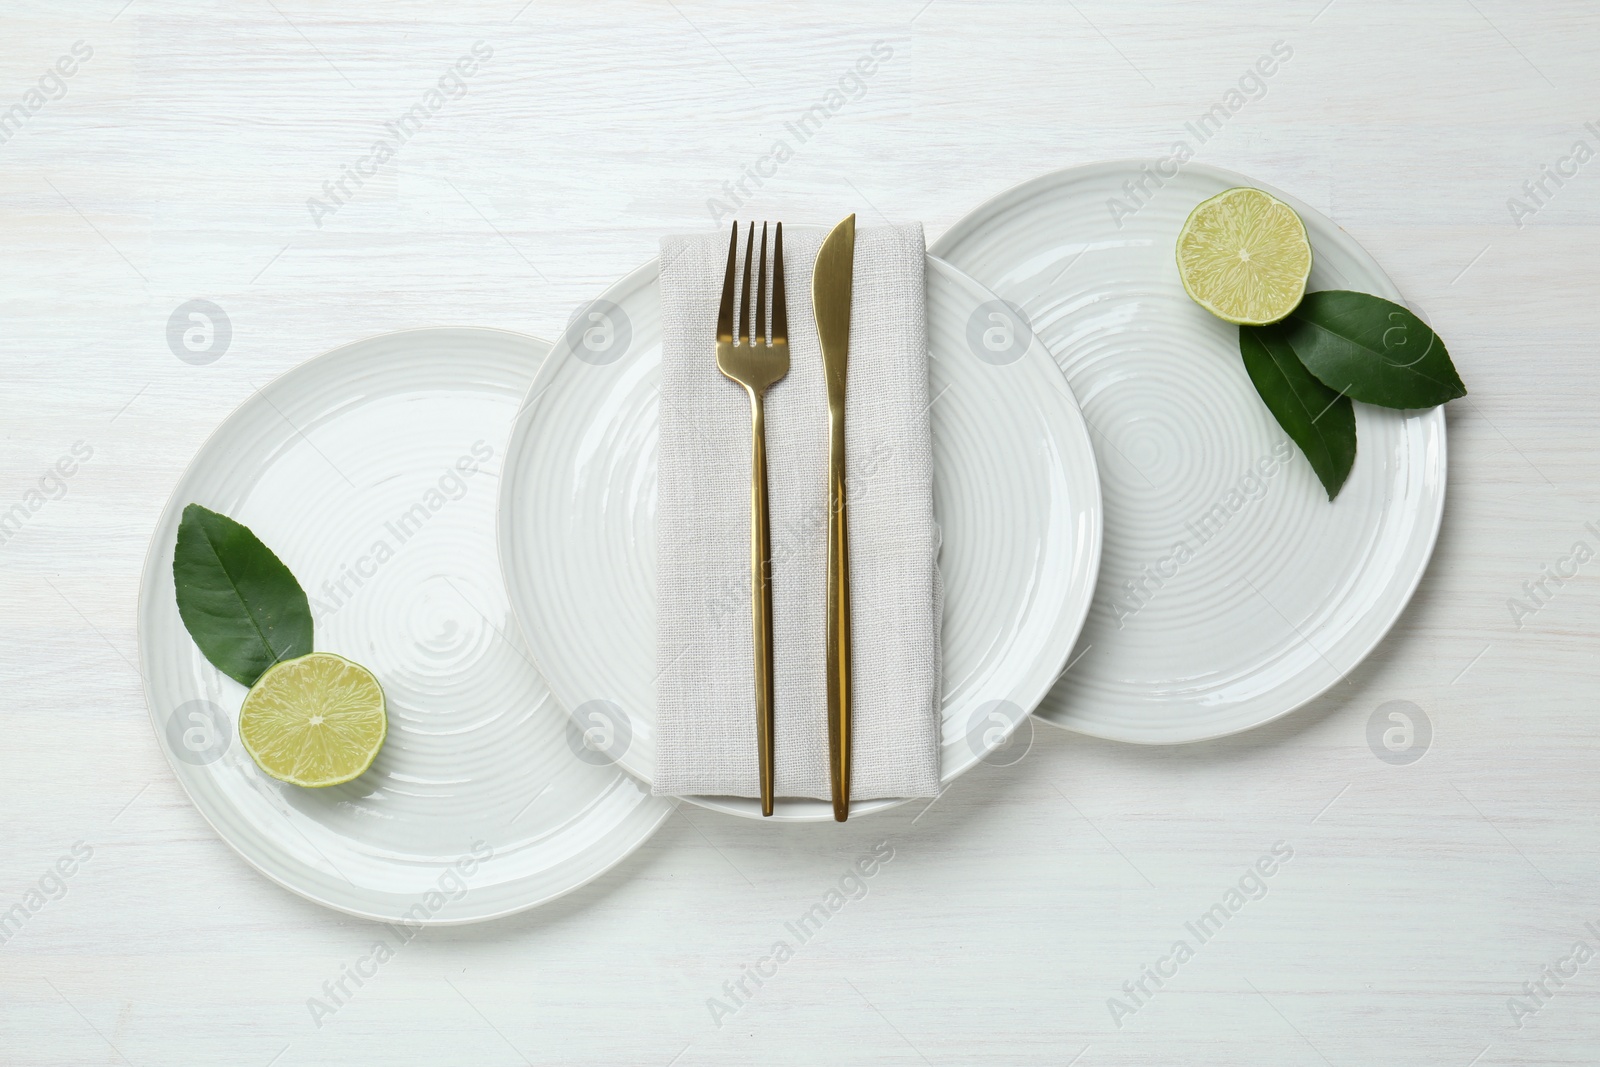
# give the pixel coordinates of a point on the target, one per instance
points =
(178, 165)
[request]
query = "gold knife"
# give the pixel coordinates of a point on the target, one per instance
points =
(831, 289)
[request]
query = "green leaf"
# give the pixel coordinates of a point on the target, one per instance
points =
(239, 602)
(1318, 419)
(1372, 350)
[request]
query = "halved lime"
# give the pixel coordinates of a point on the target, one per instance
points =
(1244, 257)
(315, 721)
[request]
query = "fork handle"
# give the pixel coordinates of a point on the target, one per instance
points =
(838, 628)
(761, 599)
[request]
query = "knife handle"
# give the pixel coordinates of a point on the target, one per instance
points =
(838, 631)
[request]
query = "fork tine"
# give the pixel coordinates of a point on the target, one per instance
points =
(760, 332)
(744, 297)
(780, 313)
(725, 311)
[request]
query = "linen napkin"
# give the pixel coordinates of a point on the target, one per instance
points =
(706, 731)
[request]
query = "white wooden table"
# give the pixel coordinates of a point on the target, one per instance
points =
(176, 163)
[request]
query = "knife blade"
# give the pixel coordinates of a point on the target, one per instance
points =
(832, 286)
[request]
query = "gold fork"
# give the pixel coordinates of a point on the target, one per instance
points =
(756, 364)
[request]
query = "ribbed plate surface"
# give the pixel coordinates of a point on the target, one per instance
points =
(1015, 495)
(373, 472)
(1232, 591)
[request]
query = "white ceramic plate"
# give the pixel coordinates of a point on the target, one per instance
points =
(1274, 593)
(1014, 493)
(373, 472)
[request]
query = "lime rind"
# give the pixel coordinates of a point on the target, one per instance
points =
(316, 721)
(1244, 256)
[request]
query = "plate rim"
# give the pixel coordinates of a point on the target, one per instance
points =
(963, 228)
(150, 560)
(744, 807)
